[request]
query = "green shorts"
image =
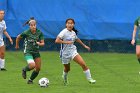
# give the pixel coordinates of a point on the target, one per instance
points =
(137, 42)
(31, 55)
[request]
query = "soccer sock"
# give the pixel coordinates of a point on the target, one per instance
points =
(34, 75)
(87, 73)
(139, 60)
(65, 74)
(2, 63)
(27, 68)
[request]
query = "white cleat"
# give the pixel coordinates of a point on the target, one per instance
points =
(92, 81)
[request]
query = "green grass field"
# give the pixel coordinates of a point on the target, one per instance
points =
(115, 73)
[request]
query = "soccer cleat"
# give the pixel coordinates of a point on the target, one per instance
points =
(23, 73)
(29, 82)
(65, 80)
(3, 69)
(91, 81)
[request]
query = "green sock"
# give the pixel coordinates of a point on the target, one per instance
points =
(27, 68)
(34, 75)
(139, 60)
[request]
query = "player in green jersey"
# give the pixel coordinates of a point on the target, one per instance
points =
(33, 38)
(137, 41)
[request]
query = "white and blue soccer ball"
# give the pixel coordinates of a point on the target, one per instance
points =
(43, 82)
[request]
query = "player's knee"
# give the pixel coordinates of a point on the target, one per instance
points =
(32, 65)
(138, 55)
(2, 55)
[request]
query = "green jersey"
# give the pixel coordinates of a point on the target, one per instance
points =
(137, 23)
(30, 45)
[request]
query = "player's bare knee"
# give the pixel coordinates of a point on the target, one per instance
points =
(138, 55)
(32, 65)
(2, 55)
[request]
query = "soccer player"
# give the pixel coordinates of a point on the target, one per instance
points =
(68, 51)
(33, 38)
(2, 46)
(136, 40)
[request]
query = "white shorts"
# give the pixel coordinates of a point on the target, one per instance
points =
(67, 57)
(1, 43)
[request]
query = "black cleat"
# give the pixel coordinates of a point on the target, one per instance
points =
(29, 82)
(3, 69)
(23, 73)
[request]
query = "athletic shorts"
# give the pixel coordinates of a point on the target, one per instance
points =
(31, 56)
(137, 42)
(1, 43)
(67, 57)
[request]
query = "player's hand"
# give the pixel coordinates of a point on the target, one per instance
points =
(133, 42)
(88, 48)
(38, 43)
(11, 41)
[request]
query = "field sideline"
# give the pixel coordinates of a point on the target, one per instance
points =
(114, 72)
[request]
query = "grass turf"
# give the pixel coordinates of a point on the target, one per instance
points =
(114, 72)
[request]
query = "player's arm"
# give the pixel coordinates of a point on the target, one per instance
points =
(60, 41)
(41, 43)
(8, 36)
(134, 35)
(80, 42)
(41, 40)
(17, 41)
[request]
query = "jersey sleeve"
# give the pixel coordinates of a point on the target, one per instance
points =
(23, 34)
(4, 25)
(136, 22)
(61, 34)
(76, 37)
(41, 37)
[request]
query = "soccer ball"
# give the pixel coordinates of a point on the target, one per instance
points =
(43, 82)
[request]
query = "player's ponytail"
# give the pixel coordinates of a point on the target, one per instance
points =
(76, 31)
(27, 22)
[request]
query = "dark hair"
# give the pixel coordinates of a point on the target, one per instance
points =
(27, 22)
(76, 31)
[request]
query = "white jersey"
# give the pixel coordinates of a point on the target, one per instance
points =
(68, 51)
(2, 28)
(67, 35)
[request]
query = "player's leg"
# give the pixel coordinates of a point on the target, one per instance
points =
(138, 52)
(78, 59)
(65, 73)
(66, 64)
(2, 55)
(35, 72)
(30, 66)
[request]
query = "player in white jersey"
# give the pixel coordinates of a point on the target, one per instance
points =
(2, 47)
(68, 51)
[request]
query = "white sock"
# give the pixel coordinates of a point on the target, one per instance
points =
(87, 73)
(65, 75)
(2, 63)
